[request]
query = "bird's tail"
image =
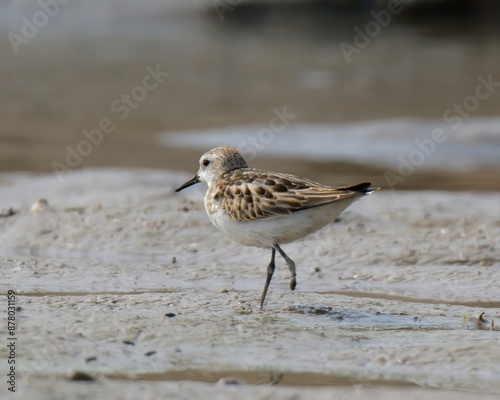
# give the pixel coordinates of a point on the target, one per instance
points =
(363, 188)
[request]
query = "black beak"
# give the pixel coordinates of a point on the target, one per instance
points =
(193, 181)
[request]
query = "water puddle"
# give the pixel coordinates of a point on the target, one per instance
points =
(255, 378)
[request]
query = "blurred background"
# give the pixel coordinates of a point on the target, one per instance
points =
(403, 93)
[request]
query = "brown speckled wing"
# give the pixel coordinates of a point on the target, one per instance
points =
(248, 194)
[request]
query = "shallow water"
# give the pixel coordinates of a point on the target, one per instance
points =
(235, 72)
(475, 144)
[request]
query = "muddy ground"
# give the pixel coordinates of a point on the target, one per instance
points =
(128, 283)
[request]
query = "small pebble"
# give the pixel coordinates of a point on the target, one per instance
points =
(170, 315)
(39, 206)
(228, 380)
(79, 376)
(8, 213)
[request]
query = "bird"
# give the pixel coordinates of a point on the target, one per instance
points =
(266, 209)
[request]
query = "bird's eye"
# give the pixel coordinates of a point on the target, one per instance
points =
(206, 162)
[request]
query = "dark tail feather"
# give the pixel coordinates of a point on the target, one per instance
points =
(363, 188)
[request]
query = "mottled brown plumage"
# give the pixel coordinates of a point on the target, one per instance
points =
(249, 194)
(266, 209)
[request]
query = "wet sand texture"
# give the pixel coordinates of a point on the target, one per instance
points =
(121, 279)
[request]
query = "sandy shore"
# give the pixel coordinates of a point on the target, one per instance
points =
(118, 277)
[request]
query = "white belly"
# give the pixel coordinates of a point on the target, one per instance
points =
(265, 232)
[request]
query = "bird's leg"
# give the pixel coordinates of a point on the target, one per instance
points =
(270, 272)
(291, 267)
